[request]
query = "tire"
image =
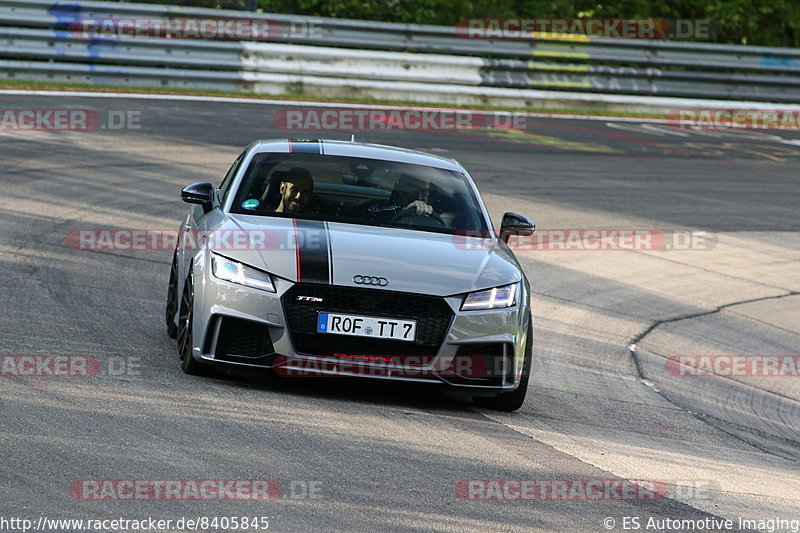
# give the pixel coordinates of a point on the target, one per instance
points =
(172, 298)
(511, 401)
(185, 340)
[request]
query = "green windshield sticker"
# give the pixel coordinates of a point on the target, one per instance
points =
(250, 204)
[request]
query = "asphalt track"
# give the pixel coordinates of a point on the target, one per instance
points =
(385, 457)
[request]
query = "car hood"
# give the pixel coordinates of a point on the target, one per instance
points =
(335, 253)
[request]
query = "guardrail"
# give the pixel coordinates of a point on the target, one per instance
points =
(384, 60)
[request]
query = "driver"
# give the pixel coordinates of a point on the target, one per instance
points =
(412, 192)
(295, 191)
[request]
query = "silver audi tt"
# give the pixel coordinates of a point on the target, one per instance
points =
(332, 258)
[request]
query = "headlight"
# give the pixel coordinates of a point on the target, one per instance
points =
(235, 272)
(496, 298)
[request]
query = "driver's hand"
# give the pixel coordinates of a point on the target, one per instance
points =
(421, 207)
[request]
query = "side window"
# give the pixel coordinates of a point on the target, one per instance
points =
(224, 187)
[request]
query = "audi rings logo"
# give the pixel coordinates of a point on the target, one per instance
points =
(370, 280)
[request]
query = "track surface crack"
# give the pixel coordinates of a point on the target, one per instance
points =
(708, 419)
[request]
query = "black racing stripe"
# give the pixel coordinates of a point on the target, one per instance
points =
(313, 253)
(299, 146)
(330, 253)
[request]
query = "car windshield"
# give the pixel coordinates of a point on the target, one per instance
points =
(358, 191)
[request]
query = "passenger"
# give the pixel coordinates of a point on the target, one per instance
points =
(296, 191)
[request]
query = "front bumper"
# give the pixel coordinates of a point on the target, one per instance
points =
(236, 325)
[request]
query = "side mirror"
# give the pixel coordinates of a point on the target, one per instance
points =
(199, 193)
(514, 224)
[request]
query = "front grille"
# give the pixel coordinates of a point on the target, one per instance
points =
(432, 314)
(240, 339)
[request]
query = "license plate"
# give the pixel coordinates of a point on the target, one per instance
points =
(367, 326)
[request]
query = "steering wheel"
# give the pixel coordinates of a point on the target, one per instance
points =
(409, 216)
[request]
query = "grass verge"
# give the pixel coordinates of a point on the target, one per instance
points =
(67, 87)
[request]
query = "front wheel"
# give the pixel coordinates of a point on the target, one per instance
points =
(511, 401)
(185, 341)
(172, 298)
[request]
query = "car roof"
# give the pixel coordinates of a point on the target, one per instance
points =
(356, 149)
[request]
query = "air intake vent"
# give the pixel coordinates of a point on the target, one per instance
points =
(240, 339)
(481, 364)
